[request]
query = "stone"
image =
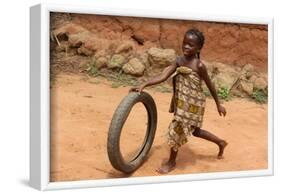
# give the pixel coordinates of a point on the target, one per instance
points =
(84, 51)
(100, 53)
(248, 71)
(76, 40)
(260, 83)
(134, 67)
(143, 57)
(116, 61)
(248, 68)
(67, 29)
(253, 78)
(223, 75)
(101, 62)
(161, 57)
(247, 87)
(124, 47)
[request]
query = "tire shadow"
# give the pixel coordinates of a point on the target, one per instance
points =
(117, 174)
(113, 173)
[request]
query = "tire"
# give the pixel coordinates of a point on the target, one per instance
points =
(115, 129)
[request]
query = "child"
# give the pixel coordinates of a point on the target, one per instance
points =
(188, 102)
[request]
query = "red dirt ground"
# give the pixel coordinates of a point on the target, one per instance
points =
(81, 111)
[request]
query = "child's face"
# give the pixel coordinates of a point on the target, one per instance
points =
(190, 45)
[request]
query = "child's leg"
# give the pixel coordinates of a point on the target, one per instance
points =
(170, 164)
(210, 137)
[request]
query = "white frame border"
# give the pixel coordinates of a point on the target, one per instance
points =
(40, 97)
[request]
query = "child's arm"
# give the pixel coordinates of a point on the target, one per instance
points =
(167, 72)
(204, 74)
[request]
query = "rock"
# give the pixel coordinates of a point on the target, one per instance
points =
(76, 40)
(238, 93)
(143, 57)
(116, 61)
(101, 62)
(248, 68)
(223, 75)
(86, 43)
(246, 87)
(134, 67)
(223, 80)
(84, 51)
(100, 53)
(253, 78)
(249, 74)
(68, 29)
(124, 47)
(260, 83)
(161, 57)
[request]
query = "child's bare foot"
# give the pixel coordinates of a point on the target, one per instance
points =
(166, 167)
(222, 145)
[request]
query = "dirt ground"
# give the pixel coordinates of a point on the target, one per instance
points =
(81, 111)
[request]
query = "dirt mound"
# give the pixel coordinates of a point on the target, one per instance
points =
(81, 42)
(236, 44)
(225, 42)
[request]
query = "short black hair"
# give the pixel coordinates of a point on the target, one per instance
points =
(199, 34)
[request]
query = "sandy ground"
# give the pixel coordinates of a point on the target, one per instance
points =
(81, 111)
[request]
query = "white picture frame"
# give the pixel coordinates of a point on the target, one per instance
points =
(40, 97)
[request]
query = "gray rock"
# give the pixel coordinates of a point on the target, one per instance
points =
(144, 59)
(253, 78)
(116, 61)
(85, 51)
(223, 75)
(260, 83)
(124, 47)
(247, 87)
(101, 62)
(134, 67)
(248, 68)
(161, 57)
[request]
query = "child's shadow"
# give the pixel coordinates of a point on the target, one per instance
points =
(187, 157)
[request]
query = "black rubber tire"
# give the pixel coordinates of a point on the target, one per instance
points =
(115, 129)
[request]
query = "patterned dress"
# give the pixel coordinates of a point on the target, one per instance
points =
(189, 105)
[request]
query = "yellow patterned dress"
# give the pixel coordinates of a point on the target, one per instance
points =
(189, 105)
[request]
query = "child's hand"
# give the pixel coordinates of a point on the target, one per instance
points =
(137, 89)
(221, 110)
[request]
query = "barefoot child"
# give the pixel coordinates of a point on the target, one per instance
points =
(188, 102)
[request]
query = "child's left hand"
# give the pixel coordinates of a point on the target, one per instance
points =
(221, 110)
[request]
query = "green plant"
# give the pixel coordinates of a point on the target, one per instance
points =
(259, 96)
(92, 69)
(224, 93)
